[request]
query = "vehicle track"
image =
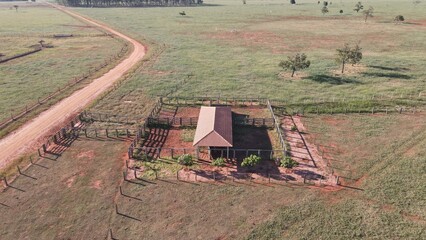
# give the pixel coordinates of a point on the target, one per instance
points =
(26, 137)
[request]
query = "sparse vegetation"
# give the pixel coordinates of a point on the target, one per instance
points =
(399, 18)
(218, 162)
(348, 54)
(358, 7)
(288, 162)
(295, 63)
(368, 13)
(251, 161)
(324, 10)
(186, 160)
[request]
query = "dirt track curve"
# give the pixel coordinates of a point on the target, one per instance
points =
(23, 139)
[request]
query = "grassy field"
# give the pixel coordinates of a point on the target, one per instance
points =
(229, 48)
(76, 195)
(35, 76)
(383, 158)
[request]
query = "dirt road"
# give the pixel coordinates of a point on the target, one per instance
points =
(23, 139)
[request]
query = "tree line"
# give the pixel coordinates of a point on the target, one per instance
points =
(128, 3)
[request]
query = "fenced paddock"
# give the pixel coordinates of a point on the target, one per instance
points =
(192, 121)
(18, 114)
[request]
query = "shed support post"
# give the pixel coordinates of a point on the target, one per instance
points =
(227, 152)
(197, 152)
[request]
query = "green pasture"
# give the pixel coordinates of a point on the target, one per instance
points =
(229, 48)
(25, 80)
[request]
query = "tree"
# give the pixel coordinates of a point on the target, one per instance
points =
(41, 42)
(16, 7)
(348, 55)
(288, 162)
(341, 11)
(324, 10)
(358, 7)
(325, 3)
(293, 1)
(399, 18)
(368, 13)
(295, 63)
(186, 160)
(251, 161)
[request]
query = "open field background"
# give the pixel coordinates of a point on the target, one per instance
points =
(76, 192)
(230, 48)
(29, 78)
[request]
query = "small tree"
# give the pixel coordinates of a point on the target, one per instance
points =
(41, 42)
(293, 1)
(186, 160)
(399, 18)
(16, 7)
(324, 10)
(358, 7)
(288, 162)
(251, 161)
(341, 11)
(348, 55)
(368, 13)
(218, 162)
(295, 63)
(325, 3)
(244, 2)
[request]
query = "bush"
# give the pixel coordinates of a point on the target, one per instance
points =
(251, 161)
(288, 162)
(186, 160)
(218, 162)
(293, 128)
(292, 1)
(399, 18)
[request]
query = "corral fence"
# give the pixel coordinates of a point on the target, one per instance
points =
(31, 107)
(145, 153)
(261, 178)
(192, 121)
(89, 116)
(279, 131)
(208, 100)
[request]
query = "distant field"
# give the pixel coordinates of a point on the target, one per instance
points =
(230, 48)
(35, 76)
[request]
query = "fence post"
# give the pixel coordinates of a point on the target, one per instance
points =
(5, 181)
(44, 148)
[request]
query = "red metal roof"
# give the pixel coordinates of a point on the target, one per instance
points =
(214, 128)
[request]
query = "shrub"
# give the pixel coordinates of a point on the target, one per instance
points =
(293, 128)
(341, 11)
(292, 1)
(218, 162)
(399, 18)
(288, 162)
(251, 161)
(186, 160)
